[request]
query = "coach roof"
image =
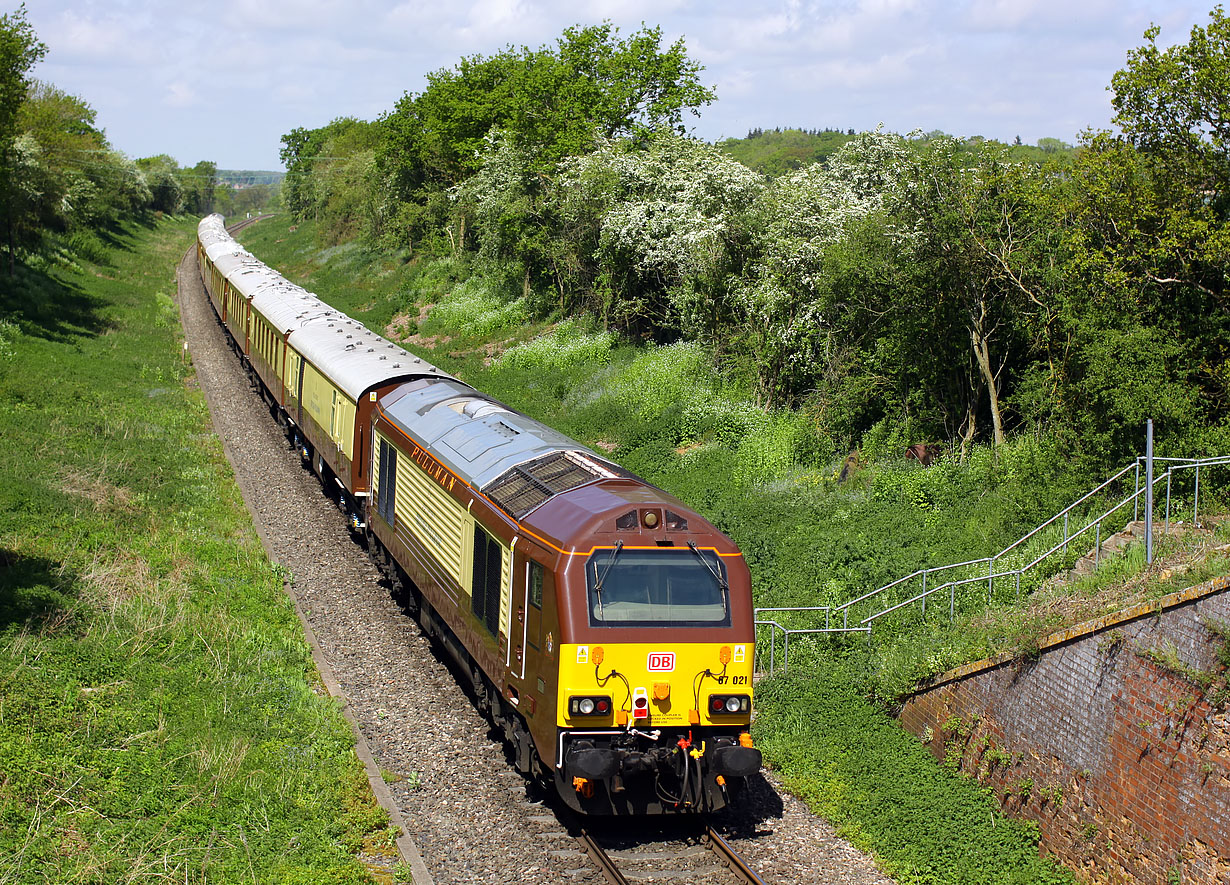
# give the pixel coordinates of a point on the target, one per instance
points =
(349, 354)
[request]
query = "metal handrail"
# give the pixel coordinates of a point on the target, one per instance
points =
(1095, 523)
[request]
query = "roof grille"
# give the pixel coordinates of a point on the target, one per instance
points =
(520, 489)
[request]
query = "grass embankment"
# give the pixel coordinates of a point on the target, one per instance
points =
(771, 482)
(160, 715)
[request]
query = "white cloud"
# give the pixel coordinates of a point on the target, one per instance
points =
(181, 95)
(226, 81)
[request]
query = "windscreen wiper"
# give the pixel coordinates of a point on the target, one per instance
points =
(619, 545)
(717, 575)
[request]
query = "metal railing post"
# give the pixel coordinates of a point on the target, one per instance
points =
(1136, 495)
(1169, 475)
(990, 580)
(1097, 547)
(1196, 500)
(1018, 586)
(1065, 531)
(924, 595)
(1149, 492)
(952, 603)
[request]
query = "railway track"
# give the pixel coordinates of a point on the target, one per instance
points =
(697, 854)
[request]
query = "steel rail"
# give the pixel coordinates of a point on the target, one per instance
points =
(598, 855)
(729, 858)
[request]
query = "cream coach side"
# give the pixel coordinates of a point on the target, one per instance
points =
(321, 371)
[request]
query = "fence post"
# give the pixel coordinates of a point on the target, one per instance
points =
(1149, 492)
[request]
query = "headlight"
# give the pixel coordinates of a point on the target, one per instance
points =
(732, 705)
(586, 706)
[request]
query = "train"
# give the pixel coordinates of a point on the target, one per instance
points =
(604, 625)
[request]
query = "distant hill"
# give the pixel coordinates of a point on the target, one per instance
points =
(775, 152)
(248, 178)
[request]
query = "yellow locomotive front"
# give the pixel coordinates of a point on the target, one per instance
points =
(655, 678)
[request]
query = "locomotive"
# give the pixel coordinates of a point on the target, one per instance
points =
(603, 624)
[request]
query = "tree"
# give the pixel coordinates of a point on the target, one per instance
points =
(550, 103)
(1174, 104)
(331, 177)
(166, 190)
(199, 184)
(665, 214)
(20, 51)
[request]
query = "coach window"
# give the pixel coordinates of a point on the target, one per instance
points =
(485, 588)
(535, 579)
(386, 489)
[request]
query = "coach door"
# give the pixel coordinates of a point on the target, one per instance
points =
(531, 583)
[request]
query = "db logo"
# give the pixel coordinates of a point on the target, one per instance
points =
(661, 661)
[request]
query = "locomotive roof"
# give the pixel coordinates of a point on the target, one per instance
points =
(351, 355)
(518, 462)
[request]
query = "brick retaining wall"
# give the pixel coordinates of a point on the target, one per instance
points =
(1102, 740)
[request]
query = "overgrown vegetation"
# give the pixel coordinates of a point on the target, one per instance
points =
(771, 480)
(919, 287)
(882, 790)
(160, 715)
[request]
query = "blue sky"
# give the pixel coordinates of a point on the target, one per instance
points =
(223, 81)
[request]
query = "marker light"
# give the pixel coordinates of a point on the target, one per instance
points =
(724, 655)
(640, 704)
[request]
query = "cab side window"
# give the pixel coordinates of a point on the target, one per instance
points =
(535, 581)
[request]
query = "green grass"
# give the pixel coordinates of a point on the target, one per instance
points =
(160, 715)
